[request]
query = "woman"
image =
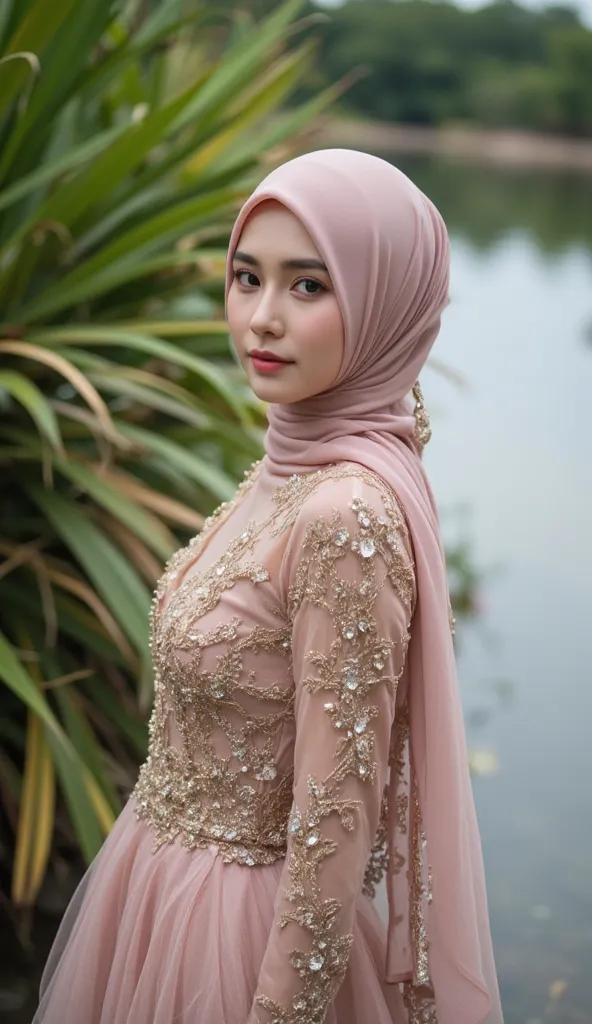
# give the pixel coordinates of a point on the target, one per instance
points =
(307, 733)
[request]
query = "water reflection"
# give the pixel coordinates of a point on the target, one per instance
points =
(485, 205)
(515, 448)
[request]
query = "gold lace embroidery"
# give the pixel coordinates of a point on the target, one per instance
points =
(189, 792)
(351, 669)
(408, 817)
(419, 1003)
(378, 860)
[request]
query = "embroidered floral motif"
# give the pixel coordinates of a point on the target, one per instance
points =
(217, 780)
(419, 1003)
(350, 671)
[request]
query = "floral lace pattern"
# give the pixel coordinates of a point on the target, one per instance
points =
(212, 774)
(350, 671)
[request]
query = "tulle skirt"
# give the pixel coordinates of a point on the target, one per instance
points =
(178, 937)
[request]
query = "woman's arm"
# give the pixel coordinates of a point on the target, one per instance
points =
(350, 600)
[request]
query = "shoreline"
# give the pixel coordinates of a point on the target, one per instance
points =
(508, 148)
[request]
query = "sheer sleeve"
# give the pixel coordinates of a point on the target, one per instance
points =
(350, 592)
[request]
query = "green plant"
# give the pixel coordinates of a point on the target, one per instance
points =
(129, 134)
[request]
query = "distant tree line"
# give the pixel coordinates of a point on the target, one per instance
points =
(430, 62)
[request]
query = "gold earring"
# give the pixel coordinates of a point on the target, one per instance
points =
(423, 431)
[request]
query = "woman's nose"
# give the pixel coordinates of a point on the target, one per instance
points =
(266, 318)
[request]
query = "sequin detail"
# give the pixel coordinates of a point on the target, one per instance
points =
(420, 1004)
(347, 668)
(187, 792)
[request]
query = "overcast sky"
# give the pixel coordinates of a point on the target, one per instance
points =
(583, 6)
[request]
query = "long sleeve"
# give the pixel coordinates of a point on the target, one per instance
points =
(350, 589)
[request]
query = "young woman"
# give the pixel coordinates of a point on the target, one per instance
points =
(307, 736)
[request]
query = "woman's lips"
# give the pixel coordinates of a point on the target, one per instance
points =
(268, 365)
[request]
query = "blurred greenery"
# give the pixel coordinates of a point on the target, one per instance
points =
(129, 135)
(430, 62)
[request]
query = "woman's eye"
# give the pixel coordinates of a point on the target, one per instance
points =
(247, 278)
(311, 287)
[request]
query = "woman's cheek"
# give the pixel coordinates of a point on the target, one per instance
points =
(237, 319)
(323, 333)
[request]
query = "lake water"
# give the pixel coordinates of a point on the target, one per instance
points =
(511, 464)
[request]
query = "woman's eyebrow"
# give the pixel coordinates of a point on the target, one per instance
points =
(295, 264)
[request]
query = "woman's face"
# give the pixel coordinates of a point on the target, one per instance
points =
(281, 303)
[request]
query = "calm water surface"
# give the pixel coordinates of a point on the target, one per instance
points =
(511, 464)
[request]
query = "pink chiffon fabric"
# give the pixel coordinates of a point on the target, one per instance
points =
(387, 251)
(178, 937)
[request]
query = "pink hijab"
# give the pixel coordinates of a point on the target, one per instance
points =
(386, 248)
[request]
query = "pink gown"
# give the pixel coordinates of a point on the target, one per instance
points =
(236, 884)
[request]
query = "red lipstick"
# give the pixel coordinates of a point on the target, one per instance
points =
(267, 362)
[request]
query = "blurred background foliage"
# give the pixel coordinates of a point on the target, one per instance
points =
(429, 62)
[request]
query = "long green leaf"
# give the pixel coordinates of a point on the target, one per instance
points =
(72, 784)
(68, 204)
(85, 743)
(64, 59)
(105, 337)
(20, 682)
(144, 525)
(108, 702)
(34, 401)
(37, 27)
(64, 756)
(44, 175)
(189, 462)
(115, 580)
(154, 234)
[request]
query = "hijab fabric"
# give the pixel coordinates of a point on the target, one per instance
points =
(387, 252)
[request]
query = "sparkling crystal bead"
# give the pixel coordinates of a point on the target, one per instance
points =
(361, 724)
(363, 626)
(295, 823)
(350, 677)
(201, 592)
(349, 632)
(363, 520)
(312, 839)
(220, 570)
(341, 538)
(378, 662)
(328, 706)
(231, 834)
(367, 547)
(322, 945)
(299, 1003)
(362, 770)
(316, 962)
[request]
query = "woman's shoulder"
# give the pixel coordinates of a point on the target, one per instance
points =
(353, 491)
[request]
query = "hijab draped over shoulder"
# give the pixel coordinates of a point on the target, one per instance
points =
(387, 252)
